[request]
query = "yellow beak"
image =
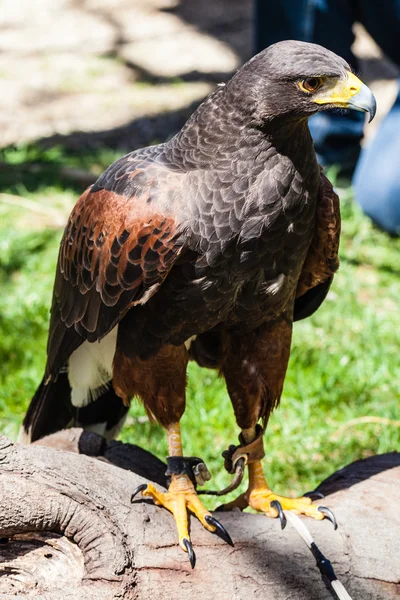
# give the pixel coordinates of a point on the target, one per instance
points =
(349, 93)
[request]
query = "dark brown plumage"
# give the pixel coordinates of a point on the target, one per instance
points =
(228, 232)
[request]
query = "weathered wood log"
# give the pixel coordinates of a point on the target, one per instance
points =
(73, 532)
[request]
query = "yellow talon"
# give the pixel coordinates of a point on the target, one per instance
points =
(260, 499)
(259, 496)
(180, 497)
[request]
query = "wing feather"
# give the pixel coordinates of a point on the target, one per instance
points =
(322, 260)
(115, 253)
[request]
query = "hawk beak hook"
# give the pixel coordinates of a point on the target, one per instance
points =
(350, 93)
(364, 101)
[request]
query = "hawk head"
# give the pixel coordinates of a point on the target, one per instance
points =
(299, 79)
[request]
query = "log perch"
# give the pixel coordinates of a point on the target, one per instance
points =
(73, 533)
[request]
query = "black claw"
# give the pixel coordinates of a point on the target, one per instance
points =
(192, 557)
(220, 530)
(140, 488)
(314, 495)
(277, 505)
(329, 515)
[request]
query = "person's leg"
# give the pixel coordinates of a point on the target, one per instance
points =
(381, 18)
(376, 179)
(325, 22)
(336, 136)
(277, 21)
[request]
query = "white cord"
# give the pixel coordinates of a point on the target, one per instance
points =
(340, 590)
(324, 565)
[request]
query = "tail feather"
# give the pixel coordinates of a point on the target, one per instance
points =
(51, 410)
(105, 415)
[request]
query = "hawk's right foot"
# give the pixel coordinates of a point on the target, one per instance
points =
(181, 497)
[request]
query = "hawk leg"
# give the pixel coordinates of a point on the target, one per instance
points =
(160, 382)
(254, 369)
(182, 496)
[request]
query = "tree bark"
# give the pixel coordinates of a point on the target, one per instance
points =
(73, 532)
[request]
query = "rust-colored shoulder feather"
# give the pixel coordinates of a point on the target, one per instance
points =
(116, 251)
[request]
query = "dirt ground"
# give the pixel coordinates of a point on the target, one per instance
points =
(126, 72)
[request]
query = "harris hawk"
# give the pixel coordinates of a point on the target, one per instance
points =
(206, 247)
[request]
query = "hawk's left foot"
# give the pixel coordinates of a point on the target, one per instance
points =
(261, 498)
(265, 500)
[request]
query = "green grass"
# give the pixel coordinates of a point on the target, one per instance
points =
(345, 359)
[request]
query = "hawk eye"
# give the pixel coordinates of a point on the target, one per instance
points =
(311, 84)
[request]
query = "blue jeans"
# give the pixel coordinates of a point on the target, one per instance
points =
(376, 179)
(337, 136)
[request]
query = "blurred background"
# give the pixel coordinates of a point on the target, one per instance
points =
(85, 81)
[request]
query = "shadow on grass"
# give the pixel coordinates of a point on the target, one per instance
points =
(74, 161)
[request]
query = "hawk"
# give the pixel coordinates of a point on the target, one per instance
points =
(206, 247)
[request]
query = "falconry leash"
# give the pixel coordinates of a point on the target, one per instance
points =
(324, 565)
